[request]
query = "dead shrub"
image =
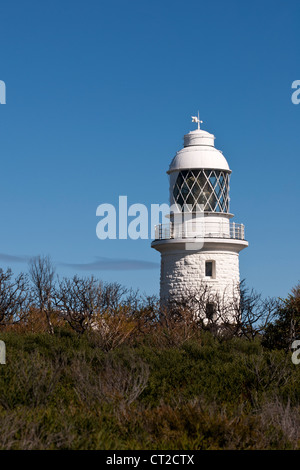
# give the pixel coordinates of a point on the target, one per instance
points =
(115, 381)
(177, 325)
(109, 331)
(32, 379)
(21, 430)
(283, 419)
(266, 372)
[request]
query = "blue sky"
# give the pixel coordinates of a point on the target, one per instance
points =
(99, 96)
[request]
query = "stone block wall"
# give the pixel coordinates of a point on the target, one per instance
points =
(184, 271)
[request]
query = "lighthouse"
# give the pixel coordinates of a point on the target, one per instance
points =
(200, 242)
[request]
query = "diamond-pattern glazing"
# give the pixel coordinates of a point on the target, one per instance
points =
(207, 188)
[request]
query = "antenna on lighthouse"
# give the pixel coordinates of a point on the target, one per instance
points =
(196, 119)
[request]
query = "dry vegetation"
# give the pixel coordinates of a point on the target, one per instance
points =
(94, 366)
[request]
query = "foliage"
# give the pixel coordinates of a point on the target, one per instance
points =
(286, 327)
(14, 297)
(64, 391)
(97, 366)
(41, 272)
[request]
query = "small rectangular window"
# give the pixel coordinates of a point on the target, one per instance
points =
(210, 311)
(208, 268)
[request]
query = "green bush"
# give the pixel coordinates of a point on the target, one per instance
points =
(62, 391)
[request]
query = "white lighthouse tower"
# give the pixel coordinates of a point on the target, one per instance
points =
(200, 244)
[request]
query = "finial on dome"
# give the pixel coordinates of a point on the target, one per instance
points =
(196, 119)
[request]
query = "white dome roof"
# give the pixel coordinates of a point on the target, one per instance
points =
(199, 152)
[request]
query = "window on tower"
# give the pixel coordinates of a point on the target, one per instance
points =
(210, 310)
(210, 269)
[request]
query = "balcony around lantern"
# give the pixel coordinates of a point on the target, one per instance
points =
(202, 229)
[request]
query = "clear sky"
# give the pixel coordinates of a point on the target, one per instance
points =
(99, 96)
